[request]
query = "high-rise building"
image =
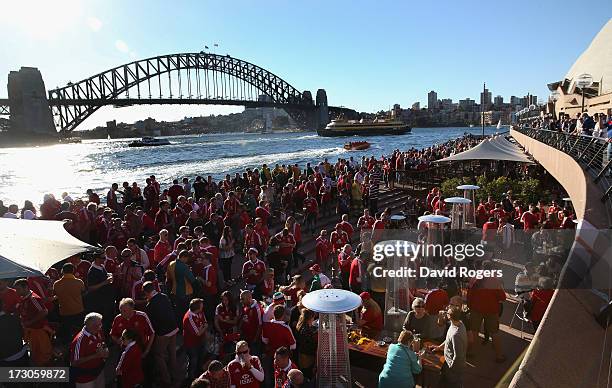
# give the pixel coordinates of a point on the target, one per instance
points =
(514, 101)
(467, 104)
(446, 104)
(416, 106)
(498, 101)
(485, 98)
(432, 100)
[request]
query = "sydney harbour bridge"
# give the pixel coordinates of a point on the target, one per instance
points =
(185, 78)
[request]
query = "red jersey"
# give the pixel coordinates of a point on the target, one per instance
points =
(348, 229)
(209, 274)
(267, 287)
(241, 377)
(137, 293)
(30, 306)
(311, 206)
(280, 374)
(253, 240)
(81, 270)
(83, 345)
(365, 222)
(110, 265)
(43, 287)
(251, 321)
(373, 320)
(338, 240)
(161, 250)
(139, 322)
(288, 243)
(263, 213)
(529, 220)
(227, 314)
(323, 249)
(344, 262)
(130, 366)
(276, 334)
(192, 324)
(377, 229)
(489, 230)
(259, 267)
(484, 296)
(355, 277)
(10, 300)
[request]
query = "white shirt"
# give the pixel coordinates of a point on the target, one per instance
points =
(324, 280)
(10, 215)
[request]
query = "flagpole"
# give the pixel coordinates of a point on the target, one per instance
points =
(484, 97)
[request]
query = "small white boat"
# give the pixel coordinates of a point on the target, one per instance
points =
(149, 142)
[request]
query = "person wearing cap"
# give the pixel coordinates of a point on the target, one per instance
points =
(278, 299)
(319, 279)
(370, 318)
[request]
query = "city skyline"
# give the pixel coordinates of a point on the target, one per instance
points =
(366, 69)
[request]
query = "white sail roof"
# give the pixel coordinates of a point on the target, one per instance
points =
(496, 148)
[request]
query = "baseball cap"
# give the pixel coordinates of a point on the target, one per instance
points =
(315, 267)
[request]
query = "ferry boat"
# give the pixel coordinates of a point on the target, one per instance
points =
(364, 128)
(149, 142)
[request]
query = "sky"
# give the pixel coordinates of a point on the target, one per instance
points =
(367, 55)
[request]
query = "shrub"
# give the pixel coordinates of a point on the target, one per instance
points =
(449, 187)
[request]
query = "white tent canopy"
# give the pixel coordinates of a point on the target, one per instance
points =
(496, 148)
(38, 244)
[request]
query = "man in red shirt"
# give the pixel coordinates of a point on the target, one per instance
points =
(323, 249)
(88, 353)
(529, 219)
(209, 286)
(484, 299)
(338, 239)
(347, 227)
(137, 294)
(366, 221)
(36, 331)
(253, 270)
(81, 267)
(262, 212)
(282, 366)
(355, 275)
(311, 210)
(489, 231)
(286, 244)
(132, 319)
(345, 258)
(162, 248)
(436, 300)
(277, 333)
(9, 296)
(251, 319)
(194, 335)
(245, 370)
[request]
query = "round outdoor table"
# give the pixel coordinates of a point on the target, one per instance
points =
(398, 221)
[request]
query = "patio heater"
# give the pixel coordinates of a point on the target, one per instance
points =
(397, 296)
(458, 211)
(333, 366)
(435, 234)
(469, 192)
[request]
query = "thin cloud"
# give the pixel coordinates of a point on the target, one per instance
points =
(122, 46)
(94, 23)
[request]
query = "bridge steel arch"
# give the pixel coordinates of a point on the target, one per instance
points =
(73, 103)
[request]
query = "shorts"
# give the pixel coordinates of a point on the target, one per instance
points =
(491, 322)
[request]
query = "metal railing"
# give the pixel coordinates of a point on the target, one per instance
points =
(594, 154)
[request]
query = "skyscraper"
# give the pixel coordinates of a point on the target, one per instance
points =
(432, 100)
(498, 101)
(485, 98)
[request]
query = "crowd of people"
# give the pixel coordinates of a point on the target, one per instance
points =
(174, 249)
(596, 125)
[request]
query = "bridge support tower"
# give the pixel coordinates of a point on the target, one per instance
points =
(322, 109)
(29, 107)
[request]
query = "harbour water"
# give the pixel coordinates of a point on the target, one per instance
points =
(29, 173)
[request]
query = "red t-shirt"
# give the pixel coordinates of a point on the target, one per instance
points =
(259, 267)
(276, 334)
(489, 230)
(484, 296)
(365, 223)
(161, 250)
(344, 262)
(280, 374)
(241, 377)
(373, 320)
(130, 366)
(355, 274)
(192, 323)
(81, 270)
(83, 345)
(251, 317)
(139, 322)
(435, 301)
(348, 229)
(10, 300)
(29, 307)
(209, 274)
(311, 206)
(530, 220)
(338, 240)
(323, 248)
(138, 294)
(540, 300)
(288, 239)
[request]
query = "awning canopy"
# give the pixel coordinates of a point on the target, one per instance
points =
(495, 148)
(36, 245)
